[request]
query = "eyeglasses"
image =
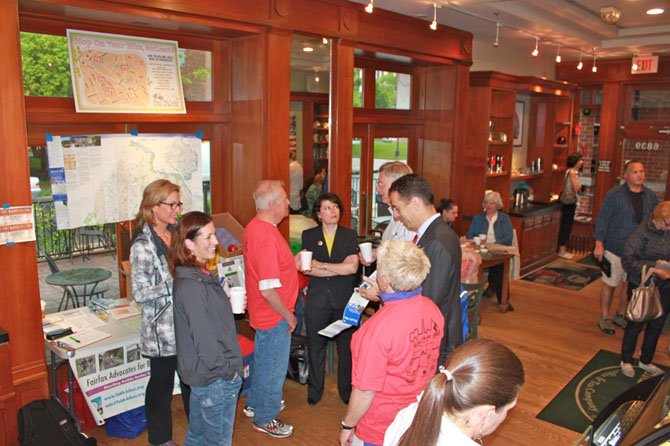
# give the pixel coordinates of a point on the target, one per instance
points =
(173, 206)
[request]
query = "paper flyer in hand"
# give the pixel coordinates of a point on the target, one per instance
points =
(352, 312)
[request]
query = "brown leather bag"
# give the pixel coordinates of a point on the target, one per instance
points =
(645, 303)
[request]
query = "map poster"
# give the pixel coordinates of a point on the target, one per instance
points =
(123, 74)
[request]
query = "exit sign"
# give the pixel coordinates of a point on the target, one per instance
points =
(645, 64)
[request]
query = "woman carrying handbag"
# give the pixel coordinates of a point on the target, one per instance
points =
(647, 245)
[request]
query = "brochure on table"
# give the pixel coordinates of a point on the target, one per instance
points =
(352, 312)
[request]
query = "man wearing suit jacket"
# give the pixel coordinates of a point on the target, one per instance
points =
(412, 203)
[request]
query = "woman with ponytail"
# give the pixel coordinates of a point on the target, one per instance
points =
(467, 400)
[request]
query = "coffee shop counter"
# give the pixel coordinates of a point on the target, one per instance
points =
(536, 228)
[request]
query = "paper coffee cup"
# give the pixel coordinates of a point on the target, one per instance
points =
(305, 260)
(366, 250)
(482, 237)
(477, 240)
(43, 304)
(238, 299)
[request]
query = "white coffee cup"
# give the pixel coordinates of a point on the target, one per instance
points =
(477, 240)
(305, 260)
(483, 250)
(43, 305)
(366, 250)
(238, 299)
(482, 237)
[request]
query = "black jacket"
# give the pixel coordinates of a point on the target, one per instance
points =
(644, 246)
(442, 286)
(330, 292)
(207, 346)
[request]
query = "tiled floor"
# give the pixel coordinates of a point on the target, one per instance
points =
(52, 294)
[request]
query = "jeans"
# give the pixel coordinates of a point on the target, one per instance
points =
(213, 413)
(271, 350)
(652, 332)
(158, 398)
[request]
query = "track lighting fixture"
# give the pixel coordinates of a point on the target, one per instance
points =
(558, 53)
(496, 43)
(594, 68)
(433, 25)
(325, 40)
(580, 65)
(316, 75)
(536, 51)
(370, 7)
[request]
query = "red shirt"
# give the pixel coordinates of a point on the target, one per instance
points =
(267, 260)
(395, 354)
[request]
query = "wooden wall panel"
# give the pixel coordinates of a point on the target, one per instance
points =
(20, 312)
(609, 145)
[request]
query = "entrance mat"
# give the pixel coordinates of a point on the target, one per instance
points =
(596, 384)
(565, 275)
(588, 260)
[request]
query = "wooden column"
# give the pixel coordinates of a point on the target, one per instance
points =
(20, 312)
(342, 123)
(609, 144)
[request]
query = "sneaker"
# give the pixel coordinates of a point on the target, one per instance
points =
(650, 368)
(620, 320)
(274, 428)
(606, 325)
(249, 411)
(627, 369)
(566, 255)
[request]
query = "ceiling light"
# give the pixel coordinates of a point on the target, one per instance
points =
(370, 7)
(655, 11)
(308, 49)
(433, 25)
(496, 43)
(634, 67)
(610, 14)
(580, 65)
(325, 40)
(316, 75)
(536, 51)
(594, 68)
(558, 53)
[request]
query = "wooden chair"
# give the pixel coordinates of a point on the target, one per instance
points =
(475, 292)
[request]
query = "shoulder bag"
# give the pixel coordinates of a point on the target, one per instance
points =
(645, 302)
(568, 194)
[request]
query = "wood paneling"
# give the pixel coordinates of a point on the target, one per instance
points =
(8, 407)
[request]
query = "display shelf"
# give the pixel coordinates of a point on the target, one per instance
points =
(560, 146)
(498, 143)
(504, 173)
(527, 176)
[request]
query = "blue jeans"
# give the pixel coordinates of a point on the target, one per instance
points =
(213, 413)
(271, 350)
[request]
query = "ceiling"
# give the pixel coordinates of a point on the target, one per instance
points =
(575, 24)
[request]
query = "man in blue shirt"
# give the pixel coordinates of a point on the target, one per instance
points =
(623, 208)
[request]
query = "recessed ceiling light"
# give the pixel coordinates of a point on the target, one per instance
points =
(655, 11)
(308, 49)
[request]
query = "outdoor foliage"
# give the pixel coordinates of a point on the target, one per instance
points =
(358, 87)
(46, 66)
(386, 90)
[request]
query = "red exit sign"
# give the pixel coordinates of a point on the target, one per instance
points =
(645, 64)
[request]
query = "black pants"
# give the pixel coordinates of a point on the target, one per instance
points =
(158, 398)
(315, 320)
(567, 219)
(652, 332)
(496, 273)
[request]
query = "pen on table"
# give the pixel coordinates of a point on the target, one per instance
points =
(75, 339)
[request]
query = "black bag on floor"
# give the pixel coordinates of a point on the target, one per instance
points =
(46, 422)
(297, 359)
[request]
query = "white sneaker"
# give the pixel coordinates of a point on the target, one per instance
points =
(248, 411)
(627, 369)
(651, 369)
(566, 255)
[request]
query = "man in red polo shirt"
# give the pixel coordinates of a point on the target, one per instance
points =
(272, 290)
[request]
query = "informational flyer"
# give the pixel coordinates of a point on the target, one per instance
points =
(17, 224)
(123, 74)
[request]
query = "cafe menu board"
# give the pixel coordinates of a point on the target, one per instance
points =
(122, 74)
(17, 224)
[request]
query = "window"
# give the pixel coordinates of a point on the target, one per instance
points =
(46, 68)
(358, 87)
(650, 105)
(392, 90)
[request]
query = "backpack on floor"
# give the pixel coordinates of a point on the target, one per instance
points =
(46, 422)
(297, 359)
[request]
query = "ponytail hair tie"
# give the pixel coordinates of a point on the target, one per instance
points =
(447, 373)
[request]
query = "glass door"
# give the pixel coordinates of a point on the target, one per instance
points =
(373, 145)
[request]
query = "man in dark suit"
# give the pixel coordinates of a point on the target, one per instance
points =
(412, 203)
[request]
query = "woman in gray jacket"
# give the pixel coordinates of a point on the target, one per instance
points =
(649, 243)
(152, 290)
(209, 356)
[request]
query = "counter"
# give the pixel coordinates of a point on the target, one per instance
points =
(536, 227)
(531, 209)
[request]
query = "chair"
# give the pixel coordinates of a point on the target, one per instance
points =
(475, 292)
(67, 296)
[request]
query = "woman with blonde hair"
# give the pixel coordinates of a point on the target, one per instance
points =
(467, 400)
(152, 290)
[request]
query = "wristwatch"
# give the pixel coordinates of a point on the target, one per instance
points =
(324, 266)
(344, 427)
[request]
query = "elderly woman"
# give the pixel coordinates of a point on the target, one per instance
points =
(649, 243)
(448, 209)
(152, 290)
(569, 199)
(470, 398)
(497, 227)
(209, 356)
(332, 278)
(395, 352)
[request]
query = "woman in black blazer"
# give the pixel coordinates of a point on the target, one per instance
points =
(332, 278)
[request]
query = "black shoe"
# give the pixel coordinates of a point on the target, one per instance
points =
(312, 401)
(488, 293)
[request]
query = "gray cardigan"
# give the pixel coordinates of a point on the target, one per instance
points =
(207, 343)
(645, 246)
